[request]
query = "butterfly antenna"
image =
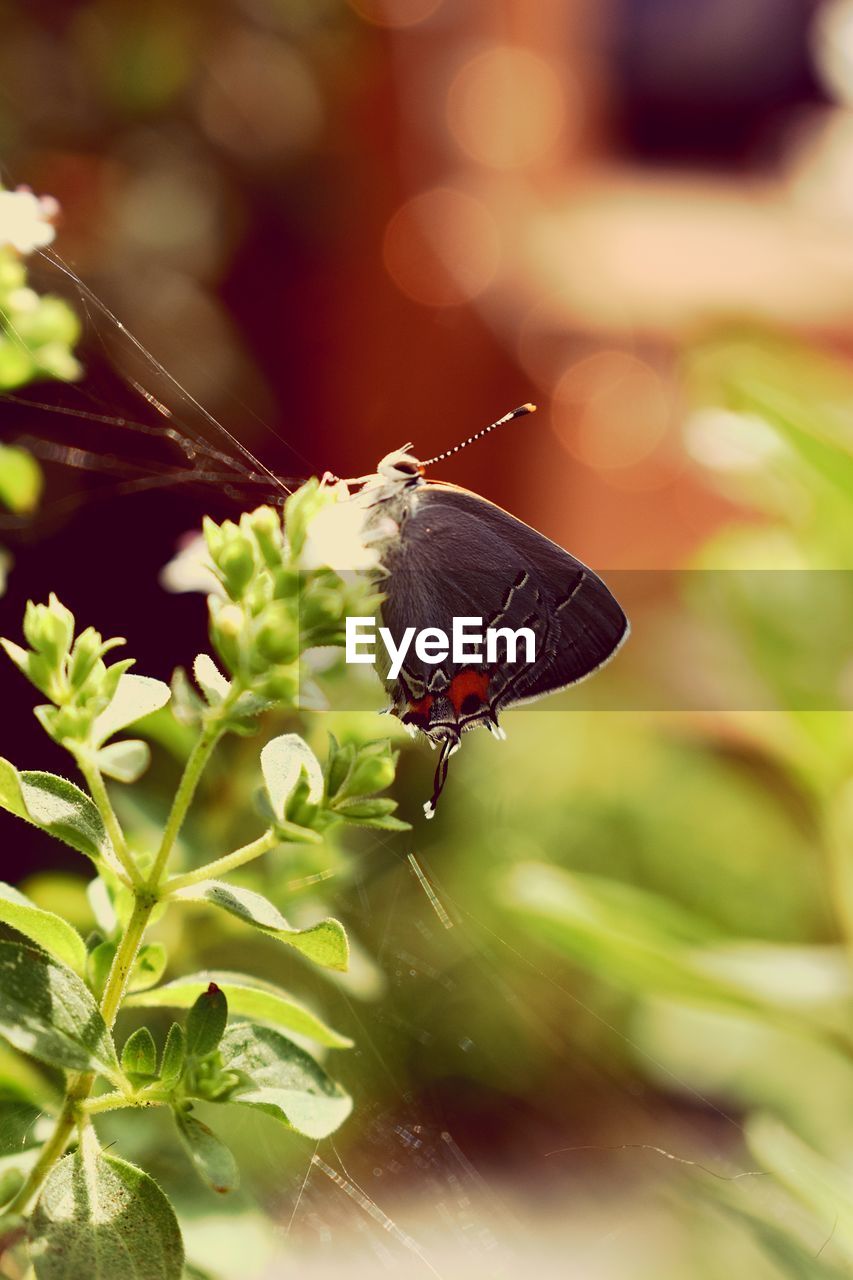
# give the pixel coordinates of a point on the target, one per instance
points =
(520, 412)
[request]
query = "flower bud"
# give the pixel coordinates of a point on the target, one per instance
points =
(84, 655)
(49, 629)
(373, 769)
(226, 628)
(320, 611)
(213, 537)
(299, 510)
(236, 563)
(281, 684)
(340, 761)
(265, 524)
(277, 637)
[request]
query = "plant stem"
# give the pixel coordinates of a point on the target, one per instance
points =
(81, 1085)
(146, 897)
(54, 1148)
(100, 795)
(195, 766)
(228, 862)
(125, 956)
(118, 1101)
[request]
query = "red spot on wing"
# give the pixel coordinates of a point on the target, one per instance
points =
(418, 712)
(468, 685)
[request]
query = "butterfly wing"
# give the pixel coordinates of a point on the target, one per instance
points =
(459, 555)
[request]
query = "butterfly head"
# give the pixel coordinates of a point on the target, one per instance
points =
(400, 467)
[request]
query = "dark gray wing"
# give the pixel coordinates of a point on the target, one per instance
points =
(459, 555)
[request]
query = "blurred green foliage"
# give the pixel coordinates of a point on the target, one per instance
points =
(37, 332)
(640, 918)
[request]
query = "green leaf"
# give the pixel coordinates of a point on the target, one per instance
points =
(283, 762)
(206, 1021)
(139, 1055)
(22, 1079)
(126, 761)
(149, 966)
(630, 937)
(826, 1189)
(135, 698)
(174, 1054)
(324, 943)
(11, 1181)
(247, 997)
(103, 1218)
(285, 1081)
(212, 1160)
(794, 1258)
(46, 1011)
(43, 927)
(210, 679)
(20, 480)
(23, 1127)
(99, 962)
(57, 807)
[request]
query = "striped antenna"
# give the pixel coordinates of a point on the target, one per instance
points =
(520, 412)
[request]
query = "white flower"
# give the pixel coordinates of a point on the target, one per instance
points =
(26, 220)
(191, 568)
(338, 537)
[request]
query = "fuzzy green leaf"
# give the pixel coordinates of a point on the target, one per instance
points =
(286, 1082)
(99, 962)
(45, 928)
(46, 1011)
(148, 967)
(174, 1054)
(247, 997)
(139, 1055)
(284, 760)
(126, 761)
(103, 1218)
(57, 807)
(324, 943)
(135, 698)
(212, 1160)
(206, 1021)
(210, 679)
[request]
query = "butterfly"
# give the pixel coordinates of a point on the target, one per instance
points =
(448, 553)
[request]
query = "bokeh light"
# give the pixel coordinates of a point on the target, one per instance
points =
(442, 247)
(395, 13)
(611, 410)
(832, 45)
(259, 98)
(507, 107)
(728, 441)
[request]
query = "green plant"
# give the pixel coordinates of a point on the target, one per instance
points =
(90, 1212)
(37, 337)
